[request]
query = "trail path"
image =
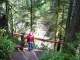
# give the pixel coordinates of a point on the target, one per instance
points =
(27, 55)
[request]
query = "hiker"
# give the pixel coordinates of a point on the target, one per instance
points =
(30, 41)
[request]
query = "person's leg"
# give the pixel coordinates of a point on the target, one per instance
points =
(32, 46)
(29, 46)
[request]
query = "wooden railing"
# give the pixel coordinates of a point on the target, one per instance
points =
(57, 44)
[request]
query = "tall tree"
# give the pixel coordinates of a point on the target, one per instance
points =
(73, 25)
(68, 18)
(3, 15)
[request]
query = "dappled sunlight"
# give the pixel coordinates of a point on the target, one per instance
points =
(39, 29)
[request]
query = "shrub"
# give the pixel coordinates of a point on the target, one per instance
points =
(50, 55)
(6, 46)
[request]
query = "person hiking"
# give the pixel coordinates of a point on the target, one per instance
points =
(30, 41)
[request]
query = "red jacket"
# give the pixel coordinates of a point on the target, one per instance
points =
(30, 38)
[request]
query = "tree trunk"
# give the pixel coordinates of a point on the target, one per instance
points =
(73, 26)
(68, 19)
(3, 17)
(7, 12)
(74, 22)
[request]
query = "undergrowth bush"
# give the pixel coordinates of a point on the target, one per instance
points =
(6, 46)
(50, 55)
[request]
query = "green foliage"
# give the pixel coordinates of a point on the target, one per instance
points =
(1, 1)
(6, 47)
(78, 36)
(50, 55)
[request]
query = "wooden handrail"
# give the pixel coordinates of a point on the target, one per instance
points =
(51, 41)
(44, 40)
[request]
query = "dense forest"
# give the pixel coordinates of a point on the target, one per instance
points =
(55, 23)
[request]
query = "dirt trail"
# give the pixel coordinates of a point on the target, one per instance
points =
(26, 55)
